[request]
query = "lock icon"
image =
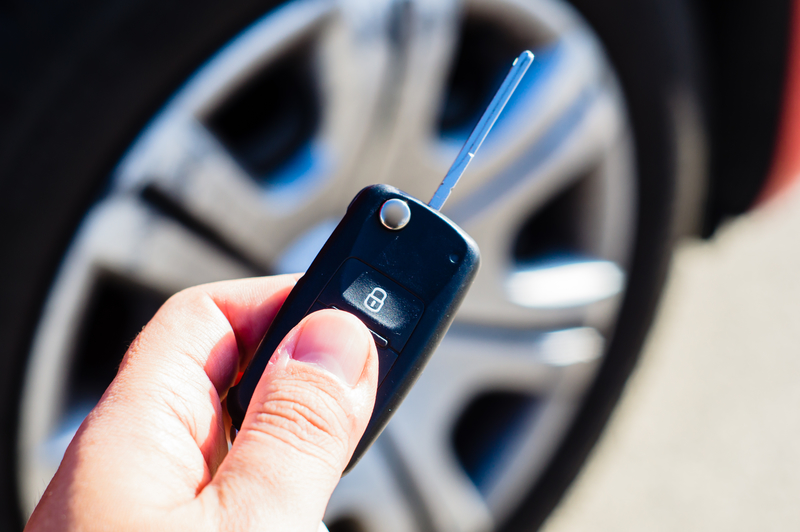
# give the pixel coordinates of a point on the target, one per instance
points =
(375, 300)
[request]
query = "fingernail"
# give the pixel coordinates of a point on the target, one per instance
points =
(335, 341)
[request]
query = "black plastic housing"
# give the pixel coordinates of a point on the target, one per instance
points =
(431, 257)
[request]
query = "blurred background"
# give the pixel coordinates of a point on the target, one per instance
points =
(626, 357)
(705, 435)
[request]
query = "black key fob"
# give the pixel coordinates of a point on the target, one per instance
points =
(399, 266)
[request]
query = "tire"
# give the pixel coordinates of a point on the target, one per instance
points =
(656, 73)
(82, 79)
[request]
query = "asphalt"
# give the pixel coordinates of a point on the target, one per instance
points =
(707, 434)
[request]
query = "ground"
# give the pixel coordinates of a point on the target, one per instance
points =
(707, 434)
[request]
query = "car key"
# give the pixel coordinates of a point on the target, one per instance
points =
(398, 265)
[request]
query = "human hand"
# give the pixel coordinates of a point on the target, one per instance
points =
(153, 454)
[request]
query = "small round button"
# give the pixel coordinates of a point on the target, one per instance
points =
(395, 214)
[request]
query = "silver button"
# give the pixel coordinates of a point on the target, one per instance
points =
(395, 214)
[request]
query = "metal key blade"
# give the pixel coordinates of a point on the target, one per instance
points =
(476, 138)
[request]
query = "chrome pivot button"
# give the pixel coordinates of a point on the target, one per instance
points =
(395, 214)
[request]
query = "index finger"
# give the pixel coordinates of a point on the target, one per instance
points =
(215, 327)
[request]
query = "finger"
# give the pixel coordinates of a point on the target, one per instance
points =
(249, 306)
(308, 412)
(182, 364)
(159, 423)
(211, 327)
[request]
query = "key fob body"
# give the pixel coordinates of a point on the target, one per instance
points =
(404, 284)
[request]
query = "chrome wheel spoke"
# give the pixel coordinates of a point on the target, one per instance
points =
(184, 159)
(496, 213)
(568, 66)
(566, 72)
(467, 365)
(556, 107)
(426, 43)
(126, 240)
(559, 130)
(193, 170)
(372, 496)
(451, 500)
(472, 360)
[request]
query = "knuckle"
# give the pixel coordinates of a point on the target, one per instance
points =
(191, 295)
(307, 416)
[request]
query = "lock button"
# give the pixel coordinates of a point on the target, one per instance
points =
(385, 307)
(376, 299)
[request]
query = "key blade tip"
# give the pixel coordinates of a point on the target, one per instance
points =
(524, 59)
(518, 69)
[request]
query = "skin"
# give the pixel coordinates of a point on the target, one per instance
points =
(153, 454)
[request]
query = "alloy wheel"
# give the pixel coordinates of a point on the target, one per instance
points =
(249, 166)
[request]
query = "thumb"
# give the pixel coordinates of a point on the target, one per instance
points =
(307, 414)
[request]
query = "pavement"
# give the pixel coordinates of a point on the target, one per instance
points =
(707, 434)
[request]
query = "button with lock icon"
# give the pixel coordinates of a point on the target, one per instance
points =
(383, 305)
(376, 299)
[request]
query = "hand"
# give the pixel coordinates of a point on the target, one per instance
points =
(153, 454)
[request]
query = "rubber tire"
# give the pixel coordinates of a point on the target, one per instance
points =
(656, 54)
(79, 80)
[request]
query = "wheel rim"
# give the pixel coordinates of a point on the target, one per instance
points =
(193, 201)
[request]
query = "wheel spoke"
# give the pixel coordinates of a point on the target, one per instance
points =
(426, 40)
(372, 496)
(356, 64)
(562, 73)
(453, 502)
(130, 240)
(127, 240)
(565, 120)
(188, 164)
(565, 76)
(186, 161)
(466, 365)
(495, 214)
